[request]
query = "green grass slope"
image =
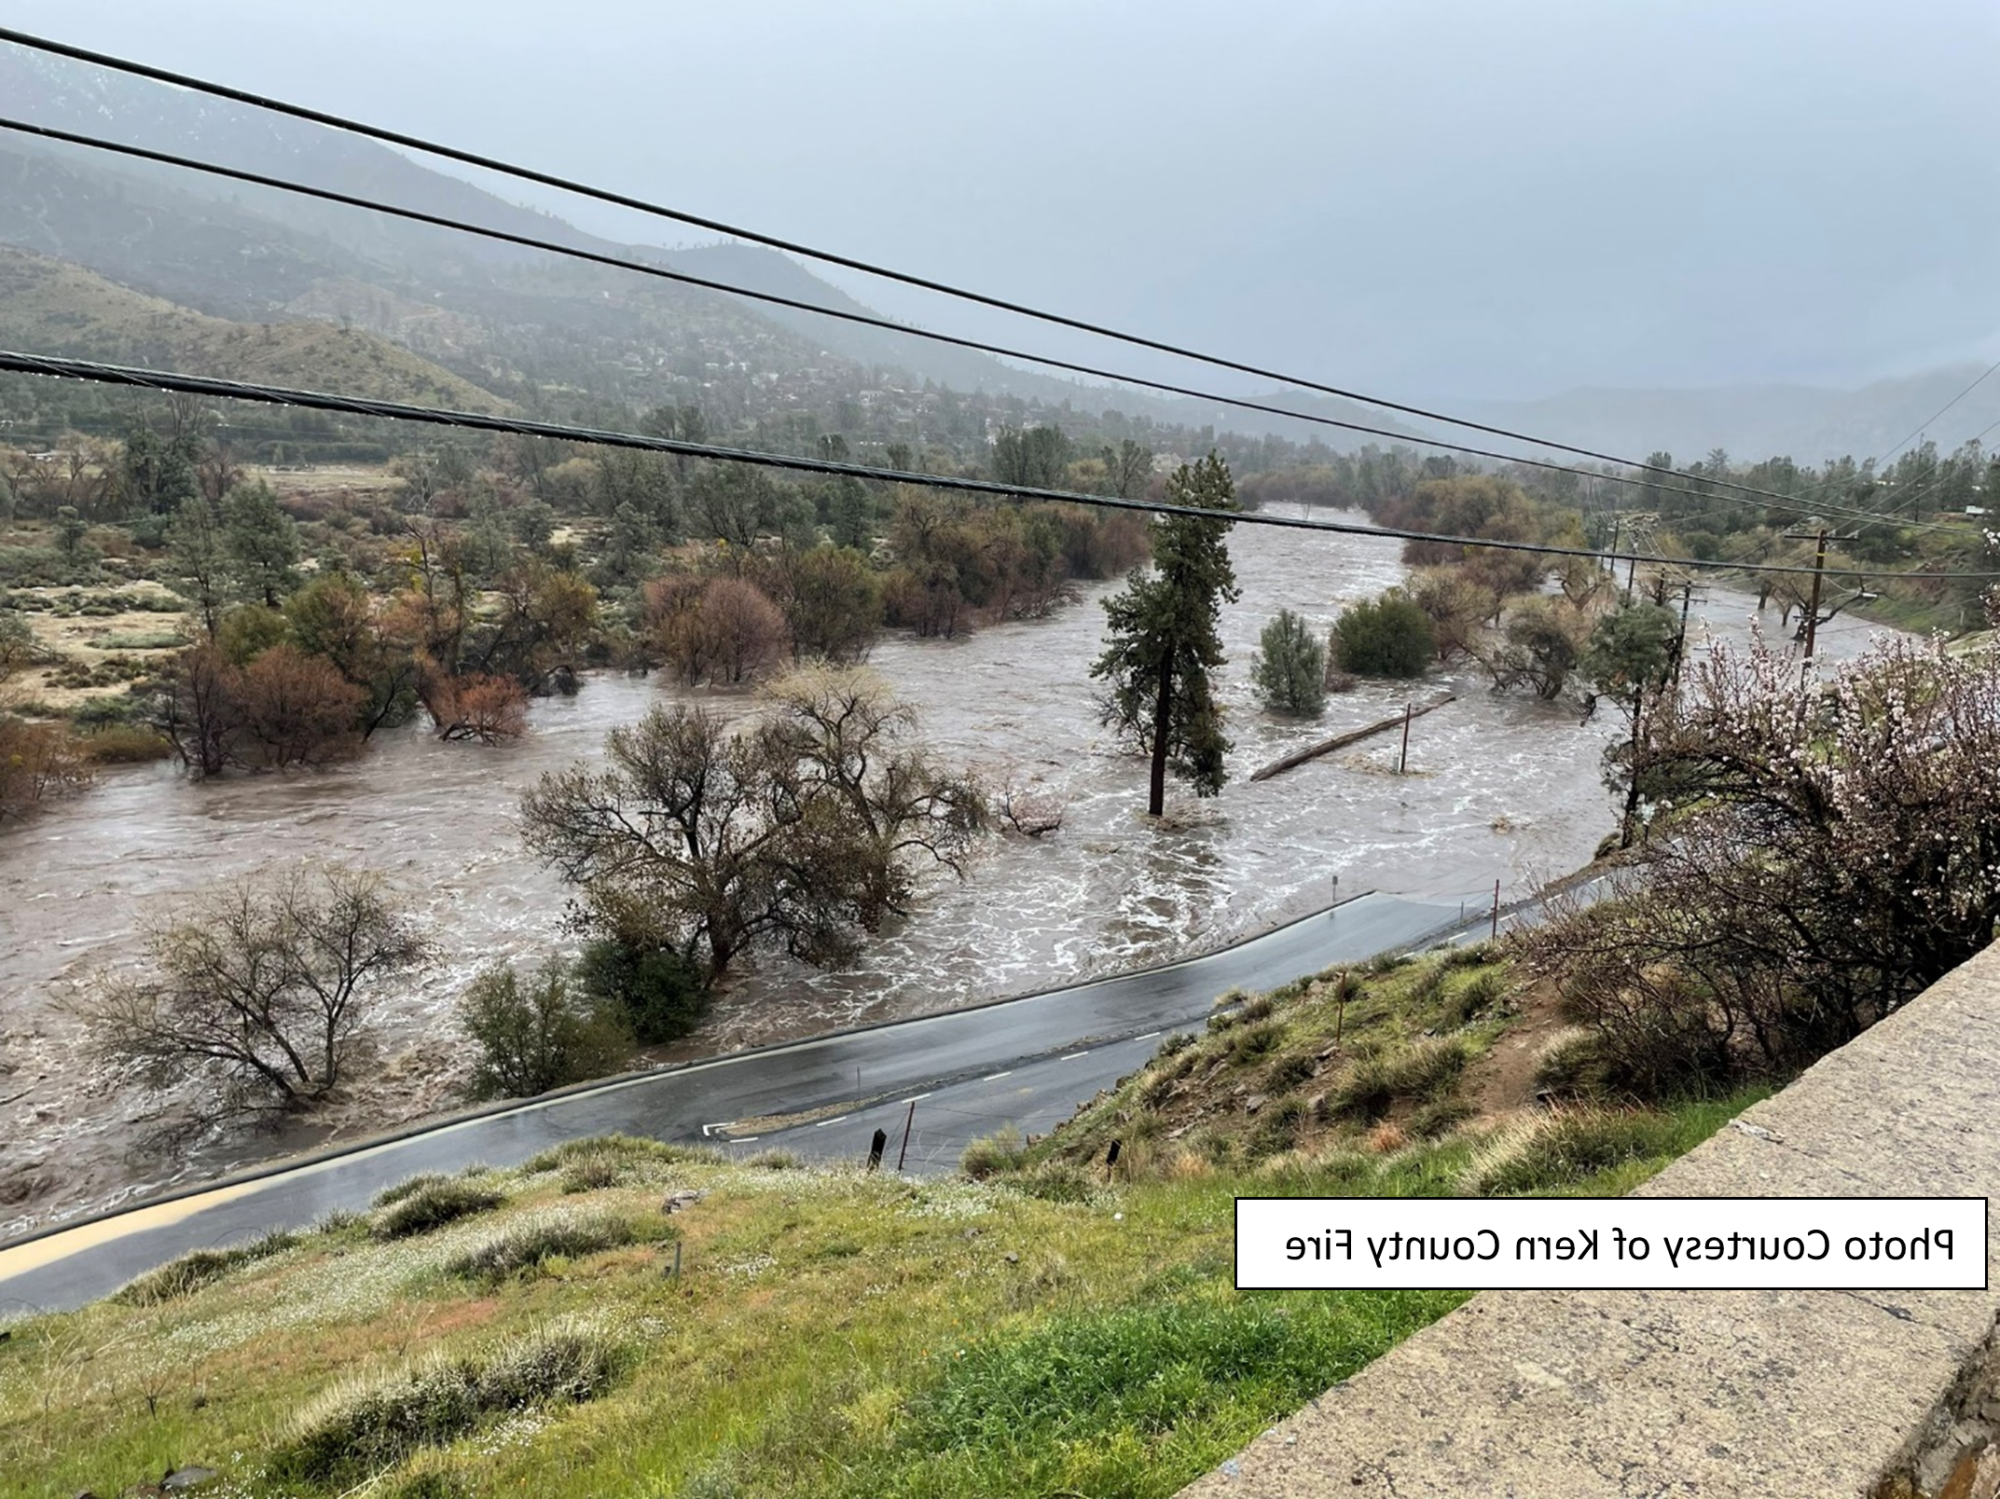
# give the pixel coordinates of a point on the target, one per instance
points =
(619, 1317)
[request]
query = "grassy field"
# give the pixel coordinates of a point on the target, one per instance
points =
(1052, 1329)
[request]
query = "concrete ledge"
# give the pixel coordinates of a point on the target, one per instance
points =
(1813, 1394)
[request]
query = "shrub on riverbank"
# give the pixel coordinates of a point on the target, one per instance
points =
(1814, 863)
(546, 1033)
(38, 761)
(1385, 637)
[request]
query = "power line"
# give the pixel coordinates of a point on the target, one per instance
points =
(665, 273)
(1918, 429)
(1936, 476)
(646, 268)
(826, 257)
(312, 400)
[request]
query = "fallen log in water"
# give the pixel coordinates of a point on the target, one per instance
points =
(1352, 736)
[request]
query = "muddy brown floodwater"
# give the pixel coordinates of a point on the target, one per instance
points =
(1499, 788)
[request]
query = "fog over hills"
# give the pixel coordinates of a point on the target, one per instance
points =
(502, 316)
(1758, 421)
(251, 253)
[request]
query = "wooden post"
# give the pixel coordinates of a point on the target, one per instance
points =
(1110, 1160)
(1680, 640)
(1812, 608)
(908, 1119)
(875, 1148)
(1495, 934)
(1403, 763)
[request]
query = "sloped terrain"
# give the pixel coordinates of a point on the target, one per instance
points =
(50, 307)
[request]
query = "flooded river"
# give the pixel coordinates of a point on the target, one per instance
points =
(1500, 788)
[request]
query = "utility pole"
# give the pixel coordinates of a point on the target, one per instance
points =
(1812, 608)
(1680, 640)
(1811, 636)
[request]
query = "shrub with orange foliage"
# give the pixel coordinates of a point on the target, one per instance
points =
(285, 708)
(475, 706)
(718, 629)
(297, 709)
(745, 629)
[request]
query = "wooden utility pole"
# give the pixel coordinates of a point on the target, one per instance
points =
(1811, 632)
(1812, 608)
(1680, 640)
(1353, 736)
(1403, 762)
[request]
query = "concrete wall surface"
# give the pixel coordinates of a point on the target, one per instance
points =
(1813, 1394)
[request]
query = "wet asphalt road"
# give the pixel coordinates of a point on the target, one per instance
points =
(1027, 1062)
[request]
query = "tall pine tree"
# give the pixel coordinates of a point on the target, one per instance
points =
(1164, 639)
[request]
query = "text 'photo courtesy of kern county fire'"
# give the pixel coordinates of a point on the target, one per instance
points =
(1062, 749)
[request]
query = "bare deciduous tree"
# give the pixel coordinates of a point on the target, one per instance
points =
(795, 832)
(744, 628)
(37, 761)
(259, 988)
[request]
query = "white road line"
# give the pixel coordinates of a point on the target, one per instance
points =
(920, 1098)
(1149, 1036)
(823, 1123)
(1074, 1055)
(708, 1130)
(994, 1077)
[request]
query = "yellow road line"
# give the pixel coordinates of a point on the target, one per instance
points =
(36, 1253)
(39, 1252)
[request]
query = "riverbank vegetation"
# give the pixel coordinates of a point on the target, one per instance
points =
(1811, 853)
(157, 598)
(1903, 527)
(755, 1328)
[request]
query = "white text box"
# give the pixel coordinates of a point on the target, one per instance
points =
(1644, 1243)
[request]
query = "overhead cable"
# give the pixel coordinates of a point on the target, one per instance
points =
(96, 372)
(1918, 430)
(792, 247)
(666, 273)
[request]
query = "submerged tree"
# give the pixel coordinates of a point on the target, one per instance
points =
(1289, 669)
(1386, 637)
(1164, 637)
(538, 1035)
(798, 832)
(261, 986)
(1631, 655)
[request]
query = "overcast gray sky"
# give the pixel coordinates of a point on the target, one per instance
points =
(1427, 198)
